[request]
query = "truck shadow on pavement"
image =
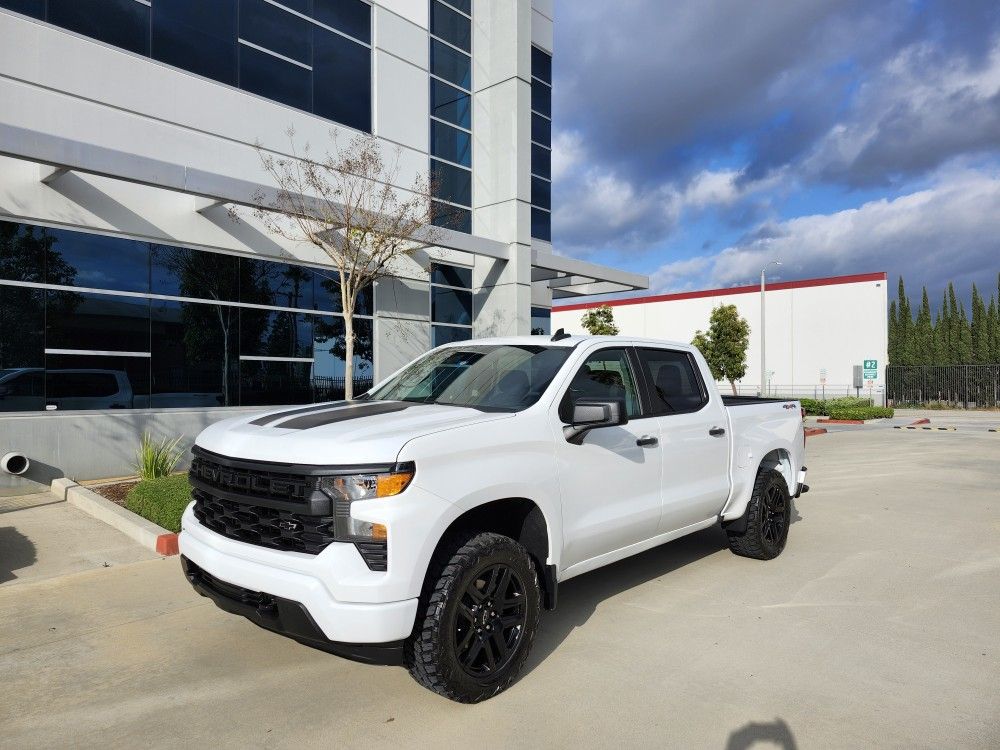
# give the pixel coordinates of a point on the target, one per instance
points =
(16, 552)
(579, 597)
(772, 734)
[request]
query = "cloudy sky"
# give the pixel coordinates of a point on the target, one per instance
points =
(695, 140)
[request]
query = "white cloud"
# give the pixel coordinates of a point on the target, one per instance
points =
(947, 232)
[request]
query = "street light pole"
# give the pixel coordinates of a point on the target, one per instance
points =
(763, 341)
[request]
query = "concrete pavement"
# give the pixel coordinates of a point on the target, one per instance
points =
(876, 628)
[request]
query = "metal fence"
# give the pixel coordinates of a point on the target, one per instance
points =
(959, 386)
(332, 389)
(817, 391)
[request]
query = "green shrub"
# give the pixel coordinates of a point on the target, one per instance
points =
(860, 412)
(161, 500)
(813, 406)
(154, 459)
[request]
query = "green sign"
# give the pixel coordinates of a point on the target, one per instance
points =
(871, 369)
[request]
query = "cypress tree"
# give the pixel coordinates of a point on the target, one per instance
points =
(904, 328)
(942, 329)
(893, 334)
(923, 333)
(979, 341)
(993, 333)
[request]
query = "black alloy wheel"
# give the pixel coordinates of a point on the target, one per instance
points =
(492, 613)
(774, 521)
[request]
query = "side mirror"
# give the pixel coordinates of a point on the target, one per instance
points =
(589, 414)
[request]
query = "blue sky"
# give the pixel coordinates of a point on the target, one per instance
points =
(694, 140)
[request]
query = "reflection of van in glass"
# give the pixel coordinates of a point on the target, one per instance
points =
(34, 389)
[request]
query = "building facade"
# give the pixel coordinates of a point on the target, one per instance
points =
(130, 298)
(817, 330)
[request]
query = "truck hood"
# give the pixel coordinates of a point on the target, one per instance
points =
(338, 433)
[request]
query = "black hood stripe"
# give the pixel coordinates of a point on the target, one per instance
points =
(354, 411)
(268, 418)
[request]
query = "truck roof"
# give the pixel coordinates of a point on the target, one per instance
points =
(567, 342)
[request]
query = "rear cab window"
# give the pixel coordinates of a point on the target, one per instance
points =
(673, 381)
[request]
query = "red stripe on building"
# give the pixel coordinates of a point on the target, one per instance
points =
(775, 286)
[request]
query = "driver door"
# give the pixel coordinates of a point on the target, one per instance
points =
(610, 482)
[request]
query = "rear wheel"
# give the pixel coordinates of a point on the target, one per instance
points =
(477, 619)
(769, 514)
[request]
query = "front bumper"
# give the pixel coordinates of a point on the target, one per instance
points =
(286, 617)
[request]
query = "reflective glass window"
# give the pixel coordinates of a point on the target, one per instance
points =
(541, 192)
(97, 261)
(451, 306)
(35, 8)
(22, 348)
(263, 282)
(541, 321)
(23, 252)
(275, 383)
(451, 183)
(451, 275)
(350, 16)
(275, 29)
(451, 143)
(604, 375)
(541, 98)
(123, 23)
(449, 334)
(182, 272)
(541, 130)
(450, 64)
(196, 36)
(453, 27)
(275, 79)
(673, 381)
(463, 5)
(96, 382)
(195, 354)
(342, 89)
(97, 322)
(327, 293)
(541, 65)
(451, 217)
(275, 333)
(329, 353)
(541, 161)
(541, 224)
(450, 104)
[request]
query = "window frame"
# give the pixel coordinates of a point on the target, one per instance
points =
(648, 385)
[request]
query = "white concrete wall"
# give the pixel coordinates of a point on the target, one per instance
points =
(833, 326)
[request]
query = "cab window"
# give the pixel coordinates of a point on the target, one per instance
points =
(604, 375)
(674, 385)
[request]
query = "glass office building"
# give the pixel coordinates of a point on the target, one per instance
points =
(138, 291)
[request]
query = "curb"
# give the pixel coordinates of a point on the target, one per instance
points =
(813, 431)
(146, 533)
(840, 421)
(925, 420)
(911, 427)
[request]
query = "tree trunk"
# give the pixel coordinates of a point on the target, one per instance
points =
(348, 356)
(732, 384)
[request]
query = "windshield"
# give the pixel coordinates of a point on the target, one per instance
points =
(490, 377)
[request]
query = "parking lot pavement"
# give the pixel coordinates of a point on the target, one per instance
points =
(876, 628)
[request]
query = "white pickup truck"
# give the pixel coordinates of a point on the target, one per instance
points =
(428, 522)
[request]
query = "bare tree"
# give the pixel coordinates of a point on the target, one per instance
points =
(346, 204)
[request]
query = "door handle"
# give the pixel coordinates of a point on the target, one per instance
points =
(716, 431)
(646, 440)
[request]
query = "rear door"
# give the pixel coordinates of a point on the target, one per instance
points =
(610, 482)
(693, 437)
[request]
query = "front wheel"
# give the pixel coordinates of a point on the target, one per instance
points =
(477, 619)
(769, 514)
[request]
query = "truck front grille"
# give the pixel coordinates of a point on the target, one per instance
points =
(277, 529)
(267, 527)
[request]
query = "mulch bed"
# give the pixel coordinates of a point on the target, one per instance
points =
(115, 492)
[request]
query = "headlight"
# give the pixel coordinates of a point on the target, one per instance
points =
(347, 488)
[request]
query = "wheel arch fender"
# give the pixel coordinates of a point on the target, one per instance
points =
(778, 457)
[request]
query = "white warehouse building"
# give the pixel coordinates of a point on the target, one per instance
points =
(817, 330)
(130, 301)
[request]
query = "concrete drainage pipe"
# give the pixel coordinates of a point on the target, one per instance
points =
(14, 463)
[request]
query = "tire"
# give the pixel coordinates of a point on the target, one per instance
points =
(486, 581)
(769, 515)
